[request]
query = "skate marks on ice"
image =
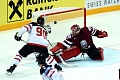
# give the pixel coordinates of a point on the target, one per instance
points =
(21, 72)
(111, 56)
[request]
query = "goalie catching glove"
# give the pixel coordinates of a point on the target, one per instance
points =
(102, 34)
(16, 37)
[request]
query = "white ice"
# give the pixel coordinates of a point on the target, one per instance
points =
(86, 70)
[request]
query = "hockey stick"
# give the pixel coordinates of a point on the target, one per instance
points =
(63, 62)
(23, 40)
(58, 55)
(50, 43)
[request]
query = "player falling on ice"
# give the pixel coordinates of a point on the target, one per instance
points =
(80, 41)
(37, 42)
(47, 71)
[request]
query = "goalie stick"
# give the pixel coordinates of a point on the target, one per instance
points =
(63, 62)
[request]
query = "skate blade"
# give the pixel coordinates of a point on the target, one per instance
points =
(9, 73)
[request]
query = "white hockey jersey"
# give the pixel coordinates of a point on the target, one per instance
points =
(37, 34)
(51, 73)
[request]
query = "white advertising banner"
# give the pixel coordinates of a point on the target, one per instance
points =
(92, 4)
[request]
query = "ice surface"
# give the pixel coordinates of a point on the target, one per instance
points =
(87, 69)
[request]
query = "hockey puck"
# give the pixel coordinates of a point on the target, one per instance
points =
(55, 22)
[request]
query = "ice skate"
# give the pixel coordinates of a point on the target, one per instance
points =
(11, 69)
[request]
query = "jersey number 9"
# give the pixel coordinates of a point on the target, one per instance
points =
(41, 32)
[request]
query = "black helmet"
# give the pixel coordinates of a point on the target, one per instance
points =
(40, 20)
(41, 59)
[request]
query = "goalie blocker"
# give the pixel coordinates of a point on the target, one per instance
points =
(71, 52)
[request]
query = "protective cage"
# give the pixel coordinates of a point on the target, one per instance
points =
(64, 13)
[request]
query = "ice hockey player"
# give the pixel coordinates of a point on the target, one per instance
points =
(37, 41)
(47, 71)
(80, 41)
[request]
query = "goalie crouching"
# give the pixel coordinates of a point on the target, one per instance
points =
(80, 41)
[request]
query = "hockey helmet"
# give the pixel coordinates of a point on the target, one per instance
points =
(40, 20)
(41, 59)
(75, 29)
(37, 18)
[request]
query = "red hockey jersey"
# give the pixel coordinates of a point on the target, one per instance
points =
(83, 39)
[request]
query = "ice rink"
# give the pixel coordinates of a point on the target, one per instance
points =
(86, 70)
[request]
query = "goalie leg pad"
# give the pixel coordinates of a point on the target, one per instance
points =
(101, 54)
(69, 53)
(57, 47)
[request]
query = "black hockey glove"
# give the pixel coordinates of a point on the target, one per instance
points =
(16, 37)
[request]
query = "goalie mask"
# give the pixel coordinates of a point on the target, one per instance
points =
(75, 29)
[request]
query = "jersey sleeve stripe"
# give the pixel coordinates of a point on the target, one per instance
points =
(48, 72)
(94, 31)
(29, 26)
(52, 74)
(26, 28)
(65, 44)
